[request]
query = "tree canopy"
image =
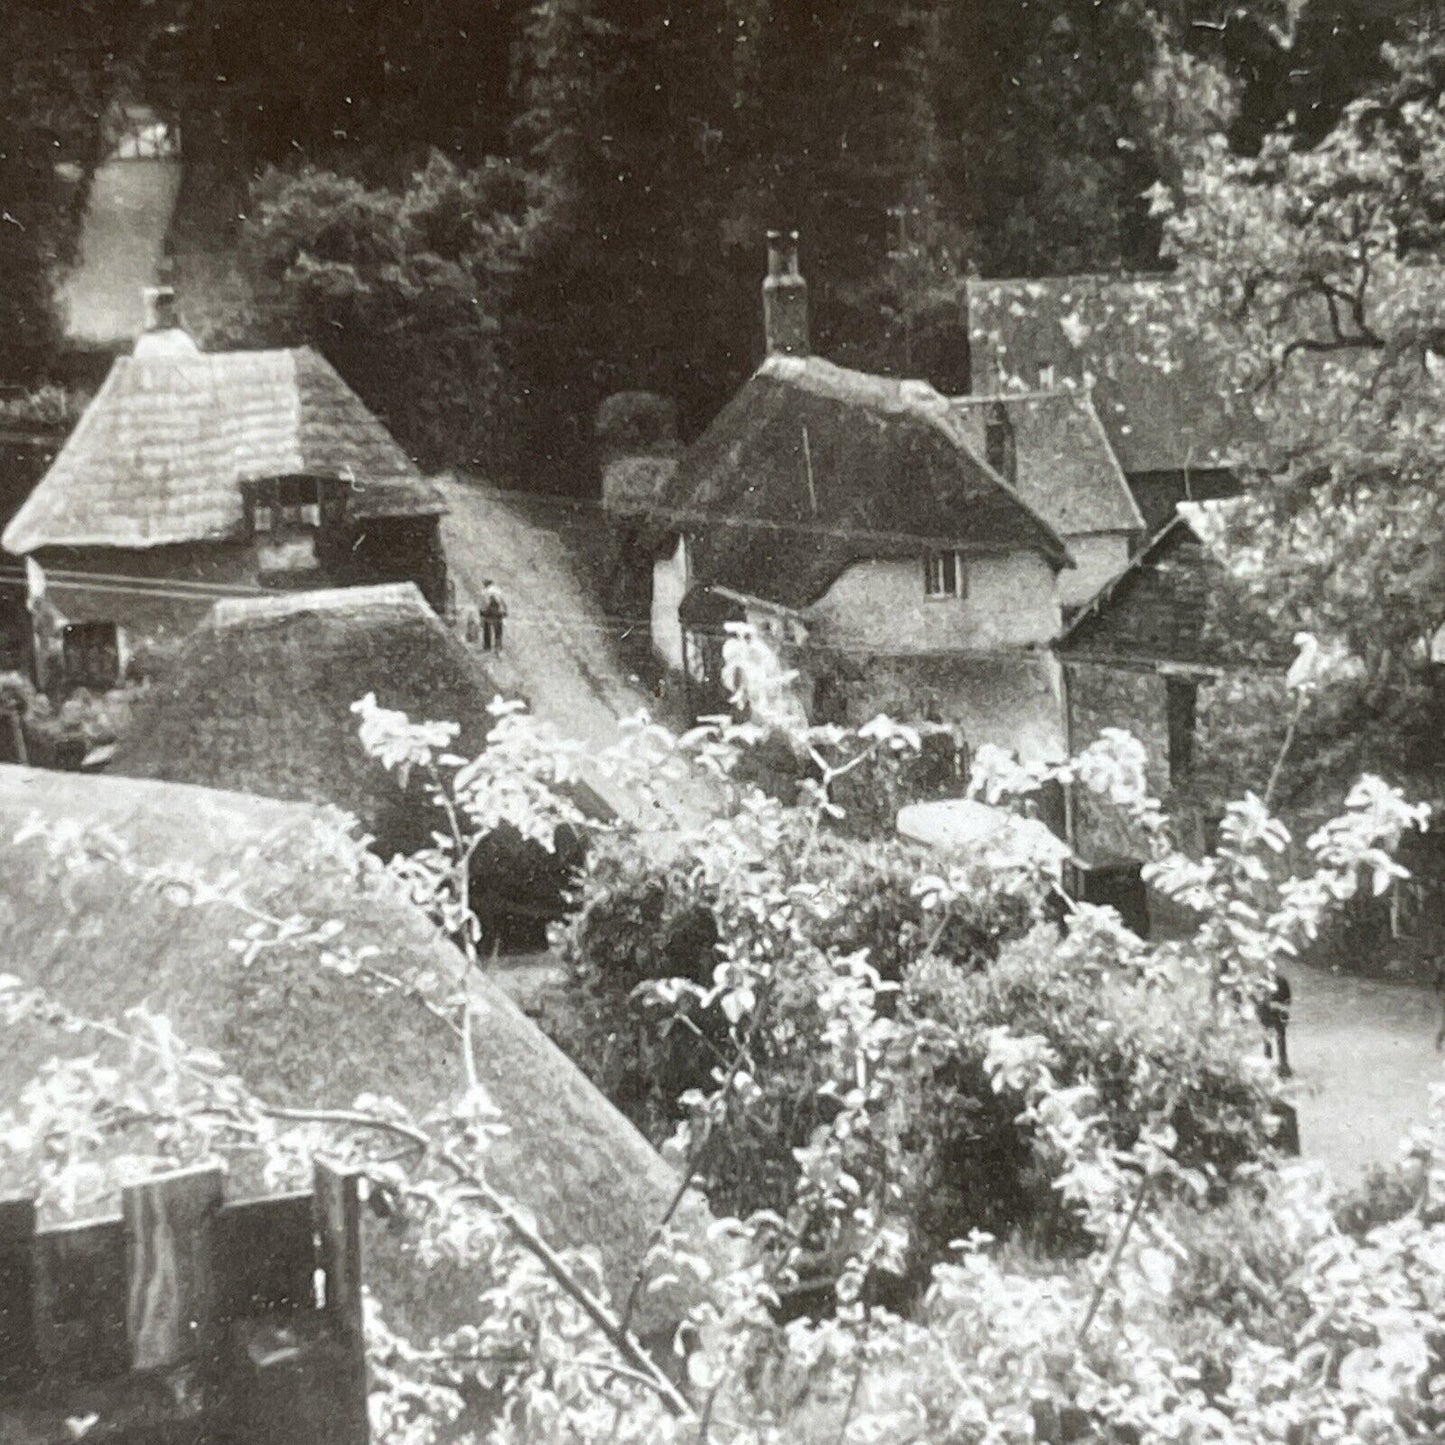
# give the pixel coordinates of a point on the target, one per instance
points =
(1317, 271)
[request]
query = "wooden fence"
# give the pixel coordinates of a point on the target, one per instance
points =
(186, 1319)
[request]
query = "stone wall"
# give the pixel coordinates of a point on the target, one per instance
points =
(1010, 700)
(1229, 757)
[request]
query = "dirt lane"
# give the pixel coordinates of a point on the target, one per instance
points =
(560, 651)
(1364, 1056)
(122, 243)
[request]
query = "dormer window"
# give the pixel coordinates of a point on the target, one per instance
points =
(999, 443)
(944, 574)
(287, 504)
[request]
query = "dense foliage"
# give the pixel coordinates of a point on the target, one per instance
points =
(403, 287)
(1193, 1302)
(1318, 274)
(911, 143)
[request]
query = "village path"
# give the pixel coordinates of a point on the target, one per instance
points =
(1363, 1052)
(561, 650)
(122, 243)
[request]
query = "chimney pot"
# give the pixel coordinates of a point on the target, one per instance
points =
(785, 297)
(160, 305)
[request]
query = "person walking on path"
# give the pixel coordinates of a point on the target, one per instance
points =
(494, 610)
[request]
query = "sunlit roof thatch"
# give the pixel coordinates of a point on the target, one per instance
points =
(298, 1033)
(161, 451)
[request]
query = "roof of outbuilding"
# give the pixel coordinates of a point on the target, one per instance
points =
(1162, 403)
(260, 699)
(105, 939)
(1168, 606)
(159, 455)
(1065, 468)
(812, 467)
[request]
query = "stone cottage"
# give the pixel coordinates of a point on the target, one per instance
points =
(1155, 654)
(193, 476)
(850, 518)
(1172, 423)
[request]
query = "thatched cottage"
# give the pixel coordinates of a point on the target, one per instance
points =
(851, 519)
(106, 939)
(1169, 417)
(192, 476)
(259, 698)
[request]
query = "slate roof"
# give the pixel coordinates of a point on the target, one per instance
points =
(104, 940)
(1166, 608)
(812, 467)
(1065, 468)
(1160, 399)
(159, 454)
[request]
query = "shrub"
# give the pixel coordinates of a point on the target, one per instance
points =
(640, 921)
(957, 1140)
(629, 422)
(1136, 1041)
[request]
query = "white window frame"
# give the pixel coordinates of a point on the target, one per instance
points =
(945, 575)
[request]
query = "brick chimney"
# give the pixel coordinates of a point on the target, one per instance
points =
(160, 304)
(163, 335)
(785, 297)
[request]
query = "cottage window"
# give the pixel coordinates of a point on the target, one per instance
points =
(944, 574)
(90, 653)
(288, 504)
(1182, 705)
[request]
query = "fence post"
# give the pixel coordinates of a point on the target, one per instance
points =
(17, 1293)
(170, 1273)
(338, 1233)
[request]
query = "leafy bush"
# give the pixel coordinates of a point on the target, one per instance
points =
(634, 422)
(1134, 1040)
(402, 287)
(647, 949)
(868, 795)
(642, 924)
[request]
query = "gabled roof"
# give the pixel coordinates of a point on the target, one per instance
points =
(1164, 608)
(1161, 401)
(812, 467)
(159, 455)
(1065, 468)
(105, 939)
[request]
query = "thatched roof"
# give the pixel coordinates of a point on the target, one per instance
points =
(300, 1034)
(1065, 468)
(259, 699)
(811, 467)
(161, 451)
(1159, 397)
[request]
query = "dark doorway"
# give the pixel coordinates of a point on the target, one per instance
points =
(1119, 886)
